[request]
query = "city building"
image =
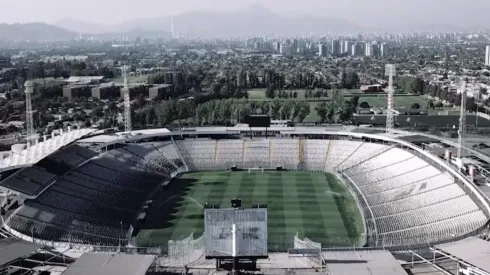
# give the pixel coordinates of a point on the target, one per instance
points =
(276, 46)
(4, 62)
(322, 50)
(106, 91)
(357, 49)
(347, 47)
(369, 49)
(285, 48)
(162, 90)
(487, 56)
(384, 49)
(294, 45)
(336, 47)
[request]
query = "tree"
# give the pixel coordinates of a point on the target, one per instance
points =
(331, 113)
(415, 106)
(322, 111)
(269, 92)
(304, 111)
(364, 105)
(355, 101)
(431, 104)
(295, 94)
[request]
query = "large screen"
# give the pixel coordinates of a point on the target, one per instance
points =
(259, 121)
(251, 236)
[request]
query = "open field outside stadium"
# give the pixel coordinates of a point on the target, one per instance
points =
(315, 205)
(374, 100)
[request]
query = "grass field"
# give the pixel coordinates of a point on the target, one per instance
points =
(315, 205)
(376, 101)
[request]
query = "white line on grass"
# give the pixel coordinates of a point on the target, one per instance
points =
(165, 201)
(202, 206)
(335, 193)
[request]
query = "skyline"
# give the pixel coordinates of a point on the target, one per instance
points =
(375, 13)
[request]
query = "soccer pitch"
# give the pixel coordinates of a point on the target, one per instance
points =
(315, 205)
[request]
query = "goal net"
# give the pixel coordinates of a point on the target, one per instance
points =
(255, 170)
(186, 251)
(306, 254)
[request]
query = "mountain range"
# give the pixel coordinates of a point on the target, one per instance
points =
(254, 20)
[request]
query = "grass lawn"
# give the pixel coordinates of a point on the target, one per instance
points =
(315, 205)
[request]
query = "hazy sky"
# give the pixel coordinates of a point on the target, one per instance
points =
(365, 12)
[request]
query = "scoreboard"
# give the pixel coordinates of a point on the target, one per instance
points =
(249, 240)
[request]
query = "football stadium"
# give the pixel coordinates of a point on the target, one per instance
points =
(332, 199)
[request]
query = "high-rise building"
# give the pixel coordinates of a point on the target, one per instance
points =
(487, 56)
(174, 35)
(336, 47)
(347, 47)
(357, 49)
(376, 48)
(277, 46)
(294, 45)
(285, 49)
(368, 49)
(322, 50)
(384, 49)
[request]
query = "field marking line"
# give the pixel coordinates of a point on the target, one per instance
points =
(335, 193)
(165, 201)
(202, 206)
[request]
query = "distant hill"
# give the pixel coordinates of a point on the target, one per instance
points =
(253, 20)
(34, 31)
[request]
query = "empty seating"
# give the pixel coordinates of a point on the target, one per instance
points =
(229, 153)
(198, 154)
(29, 181)
(285, 153)
(411, 200)
(91, 204)
(256, 153)
(313, 154)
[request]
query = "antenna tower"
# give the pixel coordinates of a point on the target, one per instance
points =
(462, 120)
(390, 71)
(29, 89)
(127, 101)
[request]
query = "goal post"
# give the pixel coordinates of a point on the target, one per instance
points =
(252, 170)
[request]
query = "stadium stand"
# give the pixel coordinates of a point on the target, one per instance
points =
(412, 201)
(198, 154)
(229, 153)
(285, 153)
(29, 181)
(91, 204)
(313, 154)
(256, 153)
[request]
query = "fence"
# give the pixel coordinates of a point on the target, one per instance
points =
(186, 251)
(306, 254)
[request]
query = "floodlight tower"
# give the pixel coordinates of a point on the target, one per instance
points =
(29, 89)
(127, 101)
(462, 120)
(390, 71)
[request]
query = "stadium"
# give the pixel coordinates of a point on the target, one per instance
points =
(330, 193)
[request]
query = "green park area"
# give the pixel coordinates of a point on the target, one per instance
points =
(374, 100)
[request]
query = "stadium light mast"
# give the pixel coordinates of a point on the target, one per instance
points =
(462, 120)
(127, 101)
(390, 71)
(29, 89)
